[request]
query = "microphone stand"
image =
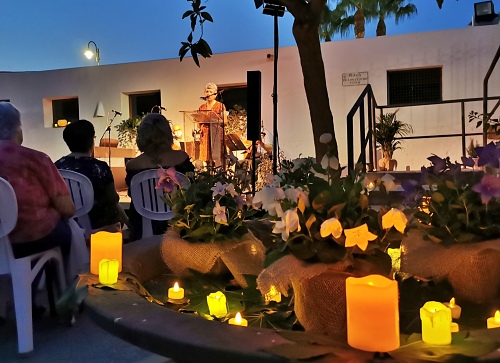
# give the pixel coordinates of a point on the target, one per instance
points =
(108, 130)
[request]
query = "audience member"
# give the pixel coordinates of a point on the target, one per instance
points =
(154, 140)
(107, 213)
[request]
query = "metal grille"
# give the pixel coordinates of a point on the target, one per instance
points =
(414, 86)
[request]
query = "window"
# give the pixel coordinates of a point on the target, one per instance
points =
(64, 111)
(414, 86)
(143, 103)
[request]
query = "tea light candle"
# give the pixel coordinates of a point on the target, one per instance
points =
(273, 295)
(105, 245)
(454, 328)
(436, 323)
(372, 313)
(108, 272)
(217, 304)
(238, 320)
(176, 292)
(494, 322)
(456, 310)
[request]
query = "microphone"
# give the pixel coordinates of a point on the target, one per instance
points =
(116, 112)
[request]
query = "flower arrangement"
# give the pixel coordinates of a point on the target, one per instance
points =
(457, 205)
(211, 208)
(321, 216)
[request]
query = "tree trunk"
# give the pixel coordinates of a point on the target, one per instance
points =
(381, 28)
(305, 31)
(359, 23)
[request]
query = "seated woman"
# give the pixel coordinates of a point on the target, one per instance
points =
(107, 213)
(154, 140)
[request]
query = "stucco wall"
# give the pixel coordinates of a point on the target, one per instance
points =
(464, 54)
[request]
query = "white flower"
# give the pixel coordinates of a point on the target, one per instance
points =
(289, 223)
(332, 227)
(273, 180)
(230, 190)
(325, 138)
(395, 218)
(389, 184)
(269, 198)
(218, 189)
(297, 195)
(220, 214)
(329, 162)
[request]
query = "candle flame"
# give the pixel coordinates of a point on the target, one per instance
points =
(237, 318)
(370, 283)
(452, 302)
(497, 316)
(176, 287)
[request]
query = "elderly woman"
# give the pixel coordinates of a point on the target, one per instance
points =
(43, 199)
(154, 140)
(107, 213)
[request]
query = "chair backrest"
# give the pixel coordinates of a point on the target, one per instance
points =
(8, 220)
(82, 193)
(148, 201)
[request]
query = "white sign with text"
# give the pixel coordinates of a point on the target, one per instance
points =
(354, 78)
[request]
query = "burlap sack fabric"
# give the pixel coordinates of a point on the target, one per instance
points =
(319, 292)
(473, 269)
(245, 256)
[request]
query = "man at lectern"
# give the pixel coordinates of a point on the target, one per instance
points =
(212, 129)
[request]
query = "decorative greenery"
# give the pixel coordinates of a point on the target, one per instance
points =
(471, 149)
(319, 215)
(236, 120)
(387, 129)
(201, 47)
(457, 206)
(212, 208)
(127, 131)
(491, 126)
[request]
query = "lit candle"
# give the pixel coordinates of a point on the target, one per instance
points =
(105, 245)
(372, 313)
(108, 271)
(217, 304)
(494, 322)
(273, 295)
(456, 310)
(454, 328)
(176, 292)
(238, 320)
(436, 323)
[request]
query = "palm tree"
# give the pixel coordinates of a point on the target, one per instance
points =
(398, 8)
(364, 10)
(332, 21)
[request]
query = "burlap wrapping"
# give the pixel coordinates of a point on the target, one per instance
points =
(473, 269)
(319, 292)
(245, 256)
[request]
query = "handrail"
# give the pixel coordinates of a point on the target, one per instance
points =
(360, 105)
(487, 116)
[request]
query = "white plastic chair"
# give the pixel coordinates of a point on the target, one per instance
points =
(148, 200)
(20, 269)
(82, 193)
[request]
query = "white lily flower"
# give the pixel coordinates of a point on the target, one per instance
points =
(332, 227)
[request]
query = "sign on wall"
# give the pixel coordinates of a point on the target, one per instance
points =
(354, 78)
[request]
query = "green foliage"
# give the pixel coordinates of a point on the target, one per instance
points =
(127, 131)
(200, 47)
(387, 129)
(471, 149)
(236, 120)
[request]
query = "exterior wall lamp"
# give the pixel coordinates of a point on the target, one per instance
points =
(89, 54)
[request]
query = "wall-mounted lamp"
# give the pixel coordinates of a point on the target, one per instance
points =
(99, 110)
(484, 11)
(89, 54)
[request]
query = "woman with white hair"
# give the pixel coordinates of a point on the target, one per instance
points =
(212, 134)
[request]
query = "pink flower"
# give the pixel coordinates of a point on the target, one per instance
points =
(167, 179)
(488, 188)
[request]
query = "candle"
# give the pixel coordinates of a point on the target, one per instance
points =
(105, 245)
(273, 295)
(372, 313)
(238, 320)
(176, 292)
(454, 328)
(456, 310)
(494, 322)
(108, 271)
(217, 304)
(436, 323)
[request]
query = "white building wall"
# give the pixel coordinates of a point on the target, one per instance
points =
(464, 54)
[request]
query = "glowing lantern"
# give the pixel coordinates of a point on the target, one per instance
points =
(108, 272)
(217, 304)
(436, 323)
(105, 245)
(176, 292)
(494, 322)
(238, 320)
(372, 313)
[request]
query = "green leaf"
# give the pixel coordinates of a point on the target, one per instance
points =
(207, 16)
(186, 14)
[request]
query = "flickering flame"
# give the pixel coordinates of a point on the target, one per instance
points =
(452, 302)
(497, 316)
(176, 287)
(370, 186)
(237, 318)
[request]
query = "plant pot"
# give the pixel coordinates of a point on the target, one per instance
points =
(472, 269)
(387, 164)
(242, 257)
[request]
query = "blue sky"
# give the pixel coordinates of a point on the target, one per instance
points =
(52, 34)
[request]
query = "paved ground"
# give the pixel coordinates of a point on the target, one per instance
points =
(84, 342)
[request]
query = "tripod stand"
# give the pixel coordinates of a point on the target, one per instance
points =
(108, 130)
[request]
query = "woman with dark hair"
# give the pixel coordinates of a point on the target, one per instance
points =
(107, 213)
(154, 140)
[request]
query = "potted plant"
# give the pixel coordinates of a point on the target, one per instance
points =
(471, 151)
(387, 129)
(127, 132)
